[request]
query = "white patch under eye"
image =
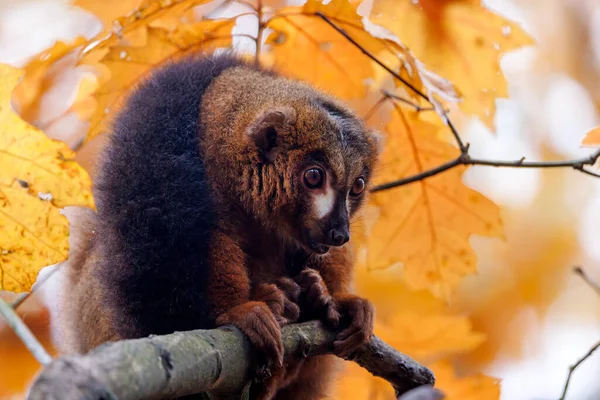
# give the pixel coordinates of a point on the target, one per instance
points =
(324, 202)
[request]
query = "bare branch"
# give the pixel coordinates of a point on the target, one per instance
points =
(23, 332)
(218, 360)
(417, 177)
(574, 367)
(465, 159)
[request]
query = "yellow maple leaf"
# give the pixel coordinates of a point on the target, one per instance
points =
(122, 66)
(308, 48)
(426, 225)
(460, 40)
(37, 177)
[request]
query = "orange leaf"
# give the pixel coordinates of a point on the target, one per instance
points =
(357, 384)
(124, 65)
(306, 47)
(426, 225)
(109, 10)
(38, 76)
(459, 40)
(429, 337)
(35, 179)
(592, 139)
(414, 322)
(476, 387)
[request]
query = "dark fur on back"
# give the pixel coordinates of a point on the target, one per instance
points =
(154, 204)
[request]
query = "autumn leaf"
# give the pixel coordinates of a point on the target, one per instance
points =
(414, 322)
(109, 10)
(122, 66)
(426, 337)
(37, 178)
(476, 387)
(426, 225)
(592, 138)
(459, 40)
(38, 77)
(357, 383)
(304, 46)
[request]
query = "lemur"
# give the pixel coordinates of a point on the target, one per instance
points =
(225, 196)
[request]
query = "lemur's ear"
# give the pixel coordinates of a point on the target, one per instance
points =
(266, 129)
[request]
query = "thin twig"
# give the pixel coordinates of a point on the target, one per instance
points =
(417, 177)
(585, 171)
(464, 149)
(465, 159)
(417, 107)
(574, 367)
(579, 271)
(23, 332)
(375, 107)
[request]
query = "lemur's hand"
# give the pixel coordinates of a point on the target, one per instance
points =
(354, 313)
(281, 297)
(316, 298)
(259, 324)
(358, 315)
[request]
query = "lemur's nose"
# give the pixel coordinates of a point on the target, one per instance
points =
(339, 237)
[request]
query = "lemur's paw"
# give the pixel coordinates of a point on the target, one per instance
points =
(358, 314)
(317, 297)
(281, 298)
(260, 325)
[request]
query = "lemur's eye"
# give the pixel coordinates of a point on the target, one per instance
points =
(358, 187)
(313, 178)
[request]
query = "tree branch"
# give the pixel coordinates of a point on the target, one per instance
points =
(579, 271)
(465, 159)
(574, 367)
(218, 360)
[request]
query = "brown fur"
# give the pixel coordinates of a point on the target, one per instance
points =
(259, 256)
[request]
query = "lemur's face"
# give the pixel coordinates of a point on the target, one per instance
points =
(312, 166)
(332, 191)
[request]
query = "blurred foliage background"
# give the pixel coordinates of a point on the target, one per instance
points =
(529, 316)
